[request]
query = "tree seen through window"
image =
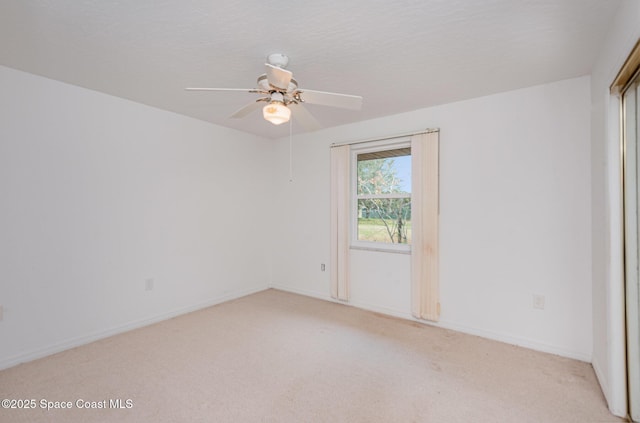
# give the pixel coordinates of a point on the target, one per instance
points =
(384, 196)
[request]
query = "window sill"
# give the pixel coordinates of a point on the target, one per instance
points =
(380, 249)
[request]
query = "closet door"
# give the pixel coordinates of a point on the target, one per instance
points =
(632, 237)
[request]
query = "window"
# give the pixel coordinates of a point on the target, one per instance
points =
(381, 205)
(411, 164)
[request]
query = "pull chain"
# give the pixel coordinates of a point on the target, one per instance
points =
(291, 150)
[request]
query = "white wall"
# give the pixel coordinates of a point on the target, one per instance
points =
(99, 194)
(608, 289)
(515, 217)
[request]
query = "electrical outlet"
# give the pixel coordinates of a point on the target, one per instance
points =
(538, 301)
(148, 285)
(322, 267)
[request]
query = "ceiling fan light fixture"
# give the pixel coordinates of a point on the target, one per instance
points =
(276, 112)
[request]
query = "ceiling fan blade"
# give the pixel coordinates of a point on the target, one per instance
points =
(244, 111)
(278, 77)
(344, 101)
(304, 118)
(248, 90)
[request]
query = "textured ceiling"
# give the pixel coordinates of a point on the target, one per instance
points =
(400, 55)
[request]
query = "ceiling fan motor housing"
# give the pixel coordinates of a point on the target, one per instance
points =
(263, 84)
(276, 96)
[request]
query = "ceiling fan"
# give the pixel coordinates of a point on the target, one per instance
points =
(282, 96)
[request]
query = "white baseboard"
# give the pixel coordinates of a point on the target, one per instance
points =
(604, 385)
(319, 295)
(82, 340)
(496, 336)
(617, 408)
(95, 336)
(519, 341)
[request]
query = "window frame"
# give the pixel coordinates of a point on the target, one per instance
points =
(370, 147)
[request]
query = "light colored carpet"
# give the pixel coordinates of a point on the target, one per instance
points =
(280, 357)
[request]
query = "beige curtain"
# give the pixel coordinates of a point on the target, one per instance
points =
(340, 200)
(425, 303)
